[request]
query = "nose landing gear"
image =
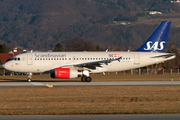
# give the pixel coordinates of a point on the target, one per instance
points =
(29, 77)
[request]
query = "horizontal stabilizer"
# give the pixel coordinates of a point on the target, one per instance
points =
(165, 56)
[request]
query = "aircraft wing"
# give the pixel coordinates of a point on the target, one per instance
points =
(93, 65)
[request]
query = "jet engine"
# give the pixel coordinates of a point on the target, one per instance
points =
(65, 73)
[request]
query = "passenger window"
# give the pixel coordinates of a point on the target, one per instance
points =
(65, 58)
(18, 59)
(57, 58)
(82, 58)
(62, 58)
(69, 58)
(51, 58)
(77, 58)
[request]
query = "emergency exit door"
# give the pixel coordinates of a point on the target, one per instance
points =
(136, 59)
(29, 59)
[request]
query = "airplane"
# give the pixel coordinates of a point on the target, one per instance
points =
(65, 65)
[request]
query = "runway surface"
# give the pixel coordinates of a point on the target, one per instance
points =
(93, 117)
(103, 83)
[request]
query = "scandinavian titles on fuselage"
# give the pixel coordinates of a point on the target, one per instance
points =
(49, 55)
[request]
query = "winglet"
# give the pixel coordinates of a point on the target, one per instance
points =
(157, 41)
(119, 59)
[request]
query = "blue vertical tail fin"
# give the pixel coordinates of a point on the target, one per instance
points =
(157, 41)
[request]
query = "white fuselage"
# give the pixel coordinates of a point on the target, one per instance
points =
(38, 62)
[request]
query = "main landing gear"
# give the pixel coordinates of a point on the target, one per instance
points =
(85, 77)
(29, 77)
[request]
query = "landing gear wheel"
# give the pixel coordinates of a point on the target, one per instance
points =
(88, 79)
(29, 77)
(83, 79)
(29, 80)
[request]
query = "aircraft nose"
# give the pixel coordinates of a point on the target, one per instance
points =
(7, 66)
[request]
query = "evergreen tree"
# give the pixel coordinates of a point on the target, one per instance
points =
(2, 48)
(58, 47)
(79, 44)
(97, 48)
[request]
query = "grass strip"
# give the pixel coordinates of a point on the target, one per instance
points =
(89, 100)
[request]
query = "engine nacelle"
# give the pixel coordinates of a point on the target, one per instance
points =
(65, 73)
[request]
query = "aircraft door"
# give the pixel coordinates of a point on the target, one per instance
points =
(136, 59)
(29, 59)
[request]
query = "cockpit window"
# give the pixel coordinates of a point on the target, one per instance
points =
(17, 59)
